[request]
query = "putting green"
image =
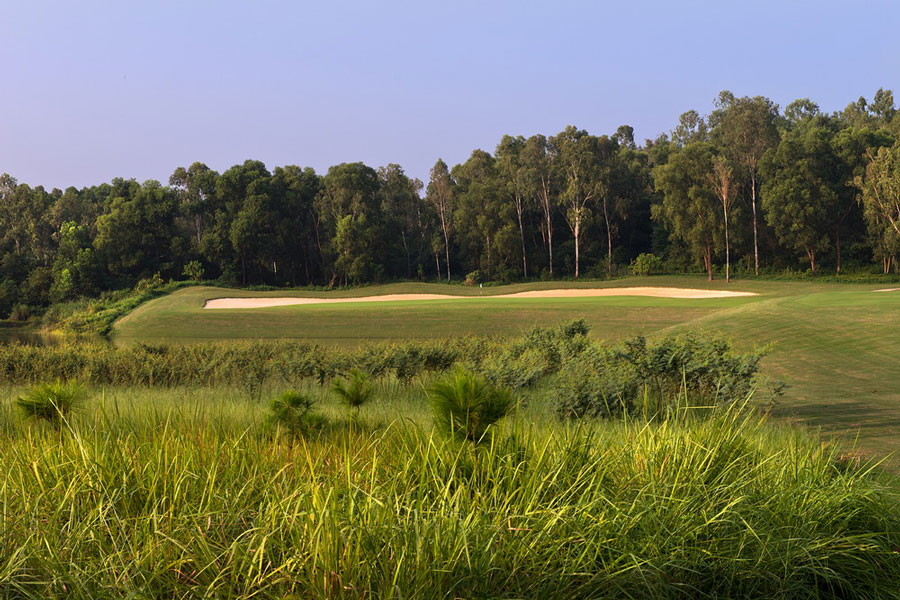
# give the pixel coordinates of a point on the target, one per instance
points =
(836, 345)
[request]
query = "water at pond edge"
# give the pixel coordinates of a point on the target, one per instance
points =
(30, 337)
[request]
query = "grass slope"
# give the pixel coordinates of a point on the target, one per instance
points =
(835, 345)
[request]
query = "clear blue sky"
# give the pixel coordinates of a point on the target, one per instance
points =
(92, 90)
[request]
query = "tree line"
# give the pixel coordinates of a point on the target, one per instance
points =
(746, 188)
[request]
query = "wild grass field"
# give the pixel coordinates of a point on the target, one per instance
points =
(835, 345)
(193, 493)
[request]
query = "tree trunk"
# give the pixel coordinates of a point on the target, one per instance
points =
(437, 262)
(548, 218)
(550, 247)
(577, 232)
(199, 229)
(727, 249)
(522, 235)
(811, 254)
(707, 262)
(490, 260)
(243, 270)
(446, 242)
(837, 239)
(608, 242)
(755, 236)
(406, 248)
(447, 252)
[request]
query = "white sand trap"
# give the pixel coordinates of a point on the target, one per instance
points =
(888, 290)
(654, 292)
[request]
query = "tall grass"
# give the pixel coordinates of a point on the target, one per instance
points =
(51, 402)
(185, 493)
(249, 365)
(466, 406)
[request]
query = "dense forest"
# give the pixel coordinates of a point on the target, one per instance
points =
(748, 188)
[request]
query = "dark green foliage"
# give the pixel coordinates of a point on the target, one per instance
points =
(21, 312)
(354, 390)
(51, 402)
(466, 406)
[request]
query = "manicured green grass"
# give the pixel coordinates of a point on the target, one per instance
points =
(837, 346)
(839, 351)
(180, 316)
(187, 493)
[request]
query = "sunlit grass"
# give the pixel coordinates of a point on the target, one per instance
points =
(191, 493)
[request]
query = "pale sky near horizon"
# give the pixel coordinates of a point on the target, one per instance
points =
(94, 90)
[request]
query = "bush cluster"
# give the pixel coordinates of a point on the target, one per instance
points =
(587, 379)
(646, 264)
(245, 364)
(654, 378)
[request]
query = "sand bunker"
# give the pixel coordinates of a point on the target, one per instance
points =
(888, 290)
(655, 292)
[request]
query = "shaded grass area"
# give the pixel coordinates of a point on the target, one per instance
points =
(187, 493)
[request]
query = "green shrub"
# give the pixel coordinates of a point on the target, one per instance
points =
(702, 367)
(588, 375)
(515, 370)
(96, 316)
(292, 412)
(466, 406)
(595, 384)
(541, 352)
(646, 264)
(654, 377)
(355, 390)
(21, 312)
(51, 402)
(193, 270)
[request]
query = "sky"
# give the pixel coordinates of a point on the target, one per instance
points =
(93, 90)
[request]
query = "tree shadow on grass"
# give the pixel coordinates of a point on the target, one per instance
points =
(873, 427)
